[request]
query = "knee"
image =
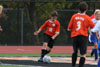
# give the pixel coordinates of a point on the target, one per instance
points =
(45, 45)
(74, 54)
(83, 55)
(49, 49)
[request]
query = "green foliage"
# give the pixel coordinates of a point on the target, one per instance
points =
(44, 9)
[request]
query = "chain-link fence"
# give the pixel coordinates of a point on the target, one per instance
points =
(20, 23)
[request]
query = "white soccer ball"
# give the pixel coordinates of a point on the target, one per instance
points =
(47, 59)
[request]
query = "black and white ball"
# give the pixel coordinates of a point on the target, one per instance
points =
(47, 59)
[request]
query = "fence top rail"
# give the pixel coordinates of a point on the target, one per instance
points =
(41, 1)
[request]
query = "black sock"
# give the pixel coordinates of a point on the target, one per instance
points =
(82, 61)
(74, 58)
(43, 52)
(47, 51)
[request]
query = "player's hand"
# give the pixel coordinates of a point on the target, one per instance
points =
(53, 37)
(1, 29)
(97, 38)
(36, 33)
(90, 34)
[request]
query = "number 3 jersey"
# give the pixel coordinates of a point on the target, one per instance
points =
(51, 27)
(79, 24)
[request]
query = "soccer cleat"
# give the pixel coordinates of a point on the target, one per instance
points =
(40, 60)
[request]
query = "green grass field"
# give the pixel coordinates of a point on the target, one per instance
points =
(30, 55)
(36, 55)
(12, 66)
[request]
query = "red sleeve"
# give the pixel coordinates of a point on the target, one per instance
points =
(58, 27)
(91, 24)
(92, 16)
(44, 26)
(70, 24)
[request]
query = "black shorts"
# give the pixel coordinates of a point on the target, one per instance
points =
(49, 40)
(80, 42)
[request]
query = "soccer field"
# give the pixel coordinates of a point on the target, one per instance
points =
(30, 60)
(11, 66)
(37, 54)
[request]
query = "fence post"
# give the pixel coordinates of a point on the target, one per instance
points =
(22, 26)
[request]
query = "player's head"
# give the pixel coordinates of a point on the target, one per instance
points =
(54, 15)
(83, 7)
(97, 14)
(1, 8)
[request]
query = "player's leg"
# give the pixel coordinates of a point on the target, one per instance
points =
(92, 52)
(98, 65)
(44, 47)
(83, 48)
(75, 51)
(50, 45)
(95, 50)
(92, 39)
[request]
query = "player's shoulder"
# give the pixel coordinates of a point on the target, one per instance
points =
(74, 15)
(87, 16)
(98, 22)
(57, 21)
(94, 20)
(47, 21)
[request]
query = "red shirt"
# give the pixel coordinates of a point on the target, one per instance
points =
(51, 27)
(79, 24)
(92, 16)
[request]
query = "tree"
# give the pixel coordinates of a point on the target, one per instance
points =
(43, 9)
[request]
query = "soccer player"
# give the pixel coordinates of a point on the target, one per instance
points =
(96, 29)
(78, 25)
(52, 27)
(1, 9)
(92, 37)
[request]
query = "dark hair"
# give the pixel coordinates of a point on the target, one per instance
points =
(83, 6)
(54, 13)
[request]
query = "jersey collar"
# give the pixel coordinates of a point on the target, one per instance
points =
(81, 13)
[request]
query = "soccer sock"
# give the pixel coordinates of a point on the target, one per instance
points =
(47, 51)
(43, 52)
(92, 52)
(96, 54)
(74, 58)
(98, 65)
(82, 61)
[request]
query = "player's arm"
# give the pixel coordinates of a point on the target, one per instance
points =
(91, 24)
(70, 24)
(90, 33)
(96, 34)
(96, 29)
(57, 31)
(1, 29)
(41, 28)
(37, 32)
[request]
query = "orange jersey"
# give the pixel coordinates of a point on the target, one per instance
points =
(79, 24)
(51, 27)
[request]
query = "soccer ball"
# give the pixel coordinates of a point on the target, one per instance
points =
(47, 59)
